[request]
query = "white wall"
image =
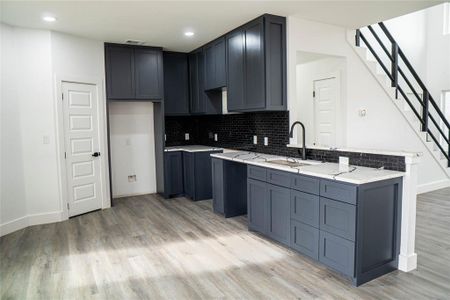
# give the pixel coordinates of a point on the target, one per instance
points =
(27, 107)
(383, 127)
(324, 67)
(132, 148)
(30, 60)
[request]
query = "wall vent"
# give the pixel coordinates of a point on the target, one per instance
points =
(134, 42)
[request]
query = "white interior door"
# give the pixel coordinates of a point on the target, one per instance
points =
(81, 134)
(325, 99)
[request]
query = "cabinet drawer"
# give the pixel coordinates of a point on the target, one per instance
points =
(279, 178)
(305, 184)
(305, 239)
(338, 218)
(337, 253)
(257, 173)
(338, 191)
(305, 208)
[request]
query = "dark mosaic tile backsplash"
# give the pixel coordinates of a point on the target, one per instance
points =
(236, 131)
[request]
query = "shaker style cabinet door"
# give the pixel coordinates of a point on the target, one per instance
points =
(119, 72)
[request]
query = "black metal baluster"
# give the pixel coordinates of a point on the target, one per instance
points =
(426, 98)
(394, 68)
(358, 38)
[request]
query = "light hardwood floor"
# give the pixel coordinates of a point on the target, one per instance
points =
(147, 247)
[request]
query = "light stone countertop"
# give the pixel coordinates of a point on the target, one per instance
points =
(333, 171)
(192, 148)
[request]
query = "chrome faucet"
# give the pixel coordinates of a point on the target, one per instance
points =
(291, 134)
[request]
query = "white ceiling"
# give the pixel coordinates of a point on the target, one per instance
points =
(162, 23)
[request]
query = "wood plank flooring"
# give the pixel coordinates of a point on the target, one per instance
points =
(150, 248)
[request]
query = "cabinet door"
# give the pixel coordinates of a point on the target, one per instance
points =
(176, 83)
(337, 253)
(254, 97)
(197, 74)
(305, 239)
(235, 70)
(305, 208)
(148, 73)
(210, 67)
(173, 173)
(189, 174)
(220, 63)
(119, 72)
(215, 69)
(217, 185)
(257, 205)
(279, 213)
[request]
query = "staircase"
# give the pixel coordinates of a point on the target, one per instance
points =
(389, 65)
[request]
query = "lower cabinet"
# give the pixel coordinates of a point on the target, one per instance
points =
(279, 213)
(329, 221)
(337, 253)
(305, 239)
(257, 205)
(173, 175)
(229, 180)
(269, 210)
(188, 174)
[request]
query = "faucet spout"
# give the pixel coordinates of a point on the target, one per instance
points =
(291, 134)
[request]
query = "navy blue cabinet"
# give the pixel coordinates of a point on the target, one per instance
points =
(352, 229)
(215, 70)
(256, 65)
(257, 213)
(229, 187)
(133, 73)
(201, 102)
(279, 213)
(176, 83)
(173, 174)
(197, 175)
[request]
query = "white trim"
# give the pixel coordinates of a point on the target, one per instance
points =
(132, 195)
(103, 136)
(407, 263)
(432, 186)
(30, 220)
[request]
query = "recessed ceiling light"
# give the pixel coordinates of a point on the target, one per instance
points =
(189, 33)
(49, 19)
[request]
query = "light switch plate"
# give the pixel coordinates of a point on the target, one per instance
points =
(216, 138)
(46, 139)
(266, 141)
(343, 160)
(255, 139)
(186, 136)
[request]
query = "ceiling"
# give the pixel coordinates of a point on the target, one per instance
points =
(163, 23)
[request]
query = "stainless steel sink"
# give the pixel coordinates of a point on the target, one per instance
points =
(287, 163)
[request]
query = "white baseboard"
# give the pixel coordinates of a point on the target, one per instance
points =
(30, 220)
(407, 263)
(432, 186)
(134, 194)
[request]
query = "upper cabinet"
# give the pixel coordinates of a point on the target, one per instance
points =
(256, 65)
(133, 73)
(215, 67)
(201, 102)
(176, 83)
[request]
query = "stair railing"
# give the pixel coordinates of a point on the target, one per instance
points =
(395, 55)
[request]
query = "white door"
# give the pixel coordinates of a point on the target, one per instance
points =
(81, 134)
(325, 98)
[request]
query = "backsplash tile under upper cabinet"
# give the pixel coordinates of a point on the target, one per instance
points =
(236, 131)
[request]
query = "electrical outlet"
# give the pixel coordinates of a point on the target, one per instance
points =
(255, 139)
(165, 137)
(131, 178)
(216, 138)
(266, 141)
(186, 136)
(343, 160)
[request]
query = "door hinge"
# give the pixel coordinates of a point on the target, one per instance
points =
(65, 155)
(314, 94)
(62, 96)
(68, 206)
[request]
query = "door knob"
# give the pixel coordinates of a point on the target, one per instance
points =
(95, 154)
